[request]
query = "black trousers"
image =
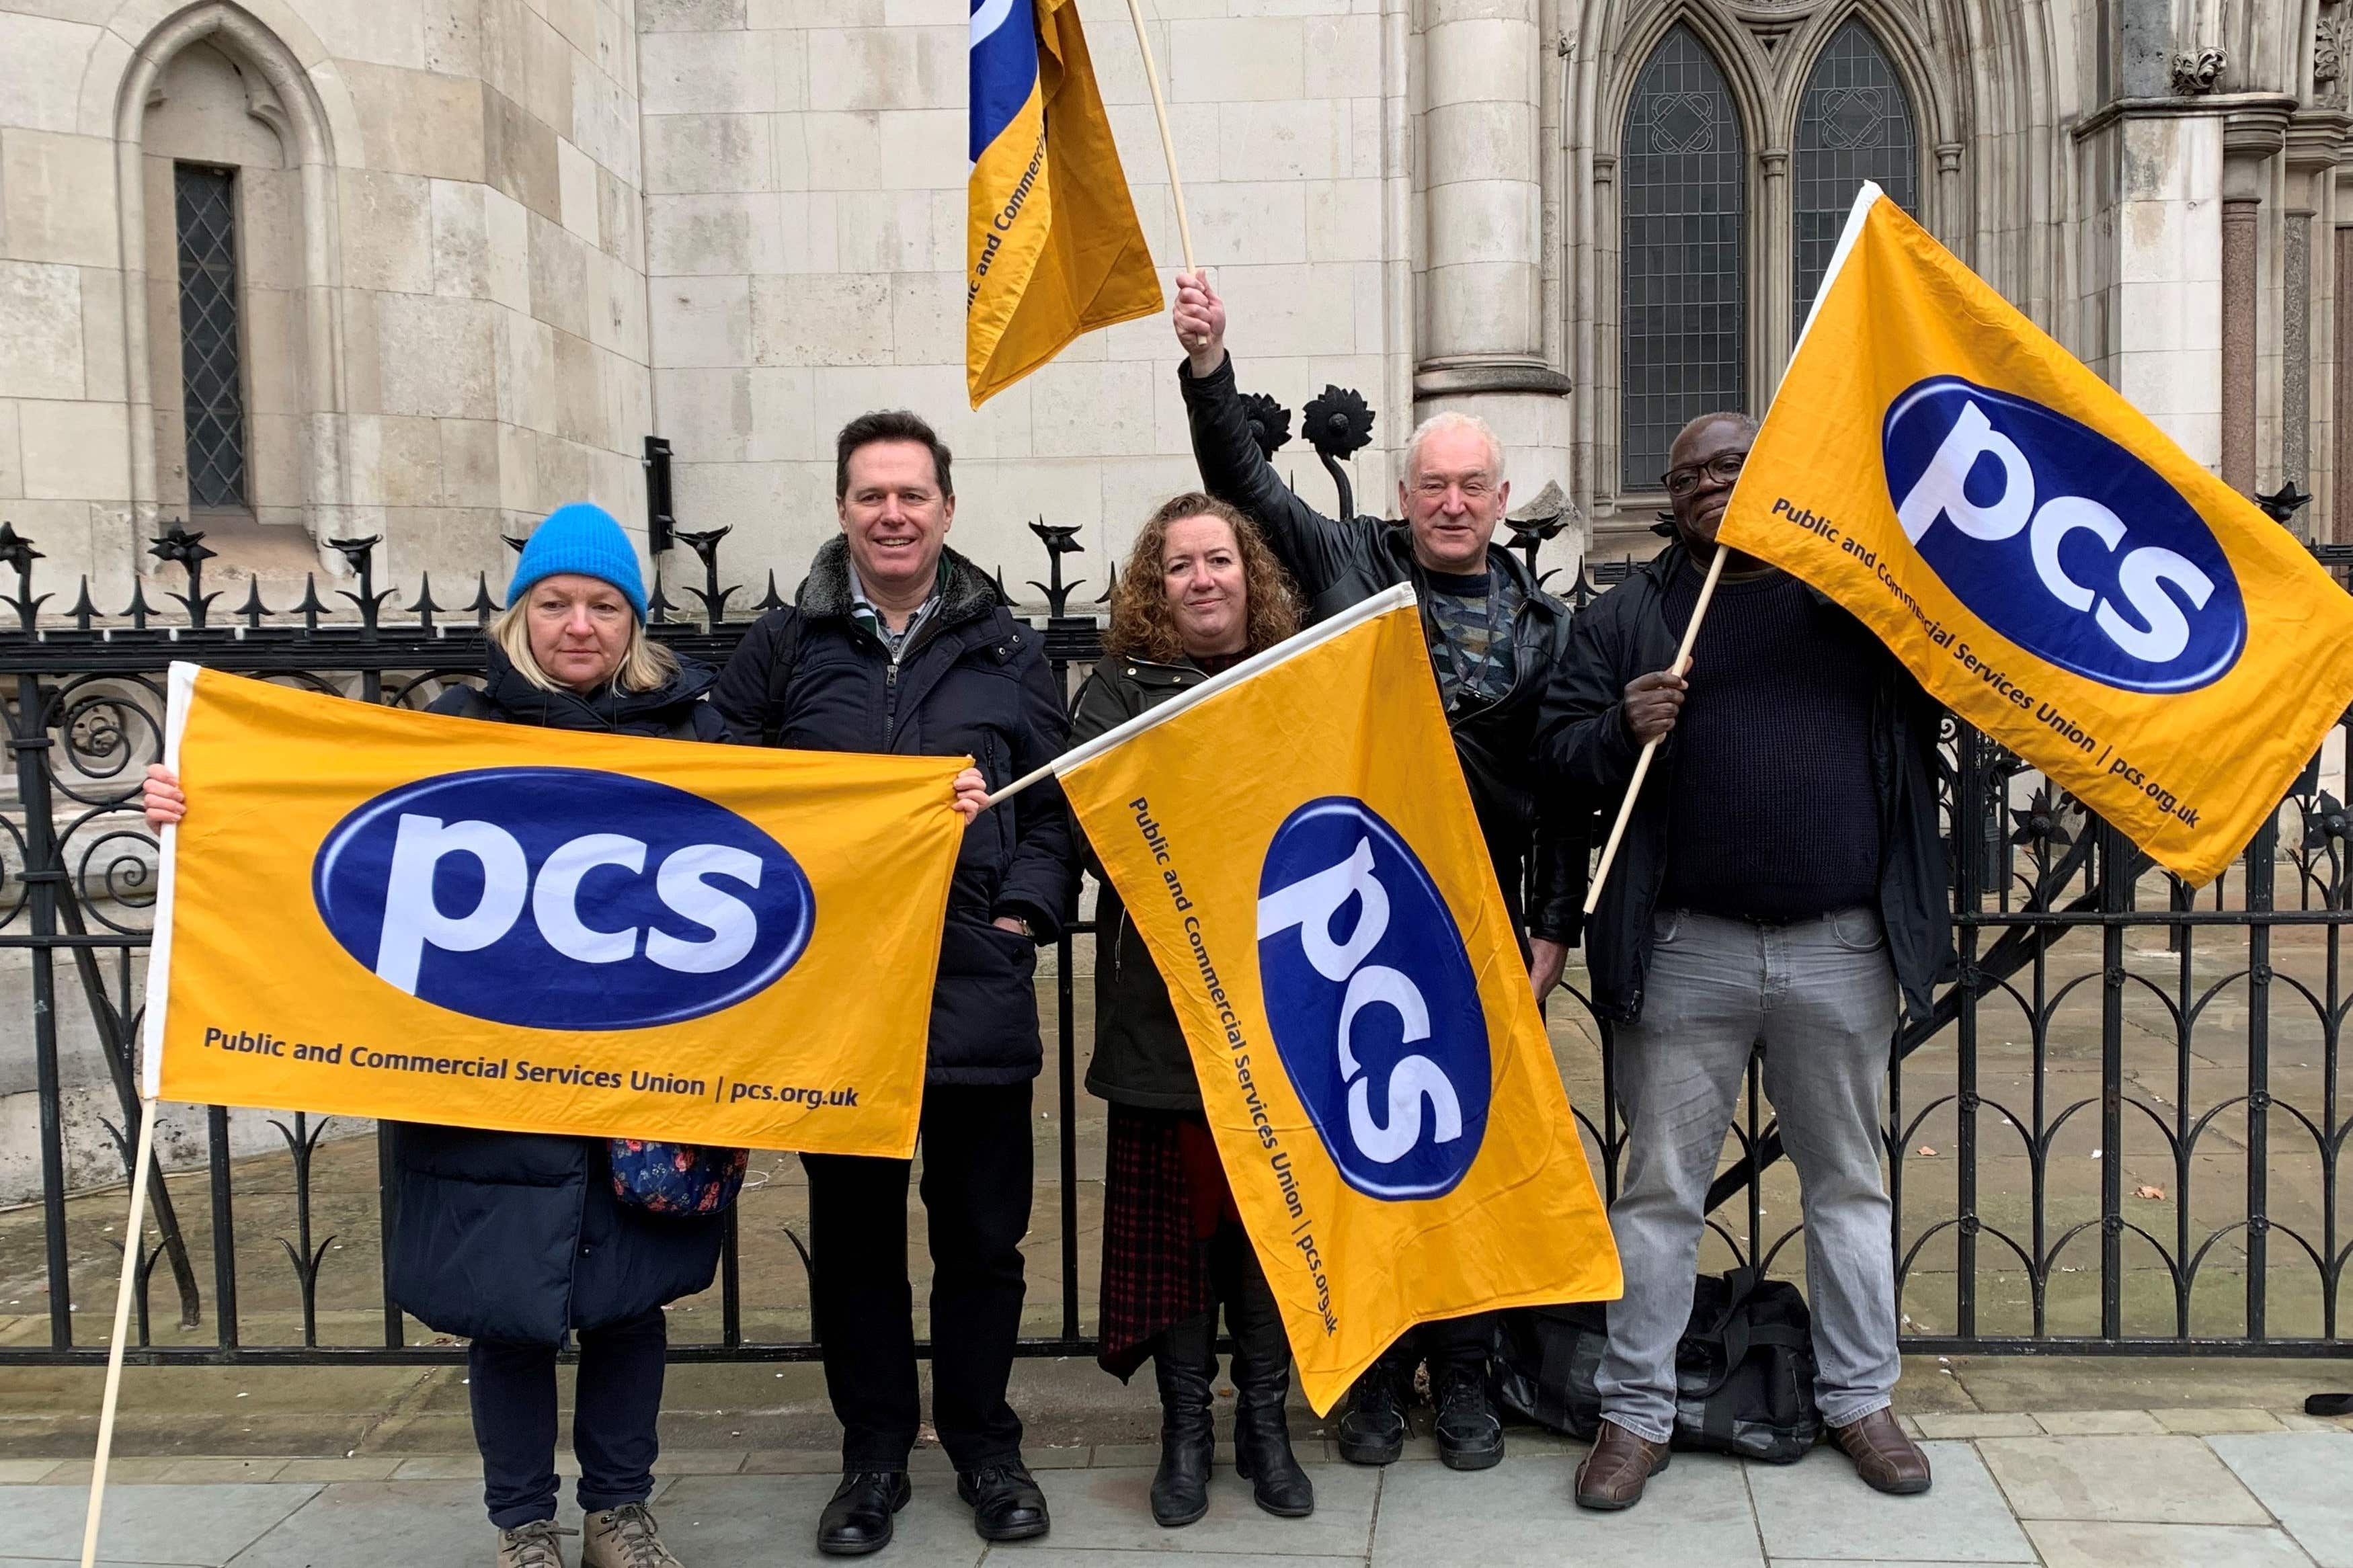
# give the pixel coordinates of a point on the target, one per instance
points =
(512, 1388)
(1450, 1341)
(976, 1144)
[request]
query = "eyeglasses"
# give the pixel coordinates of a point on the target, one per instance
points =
(1724, 466)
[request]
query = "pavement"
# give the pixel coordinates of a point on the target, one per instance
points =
(2224, 1488)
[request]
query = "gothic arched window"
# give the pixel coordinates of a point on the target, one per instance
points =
(1683, 178)
(1854, 124)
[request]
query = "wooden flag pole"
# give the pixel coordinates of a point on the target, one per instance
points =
(1168, 143)
(1651, 748)
(131, 1248)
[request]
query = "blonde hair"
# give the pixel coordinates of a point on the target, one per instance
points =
(645, 665)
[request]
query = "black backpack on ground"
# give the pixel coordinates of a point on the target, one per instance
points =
(1744, 1371)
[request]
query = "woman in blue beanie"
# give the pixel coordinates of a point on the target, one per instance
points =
(517, 1241)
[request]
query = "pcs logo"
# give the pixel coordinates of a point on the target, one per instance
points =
(561, 898)
(2061, 540)
(1371, 997)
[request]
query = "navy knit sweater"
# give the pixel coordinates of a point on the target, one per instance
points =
(1773, 809)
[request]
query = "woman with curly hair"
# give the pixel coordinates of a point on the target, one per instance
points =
(1202, 592)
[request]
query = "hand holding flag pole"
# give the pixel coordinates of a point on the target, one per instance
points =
(1651, 748)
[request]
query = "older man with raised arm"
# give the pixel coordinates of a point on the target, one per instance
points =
(1780, 890)
(1494, 639)
(896, 642)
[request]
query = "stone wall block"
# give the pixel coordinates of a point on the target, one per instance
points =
(1459, 59)
(690, 15)
(689, 154)
(76, 451)
(105, 347)
(11, 453)
(1343, 56)
(925, 148)
(821, 319)
(546, 74)
(620, 221)
(436, 355)
(461, 239)
(1289, 310)
(451, 36)
(1238, 60)
(519, 156)
(707, 413)
(57, 199)
(1131, 491)
(409, 452)
(706, 73)
(1302, 141)
(40, 329)
(886, 231)
(420, 123)
(605, 121)
(620, 325)
(575, 175)
(271, 230)
(526, 367)
(1256, 221)
(809, 223)
(506, 226)
(579, 402)
(272, 323)
(1078, 410)
(41, 70)
(469, 462)
(842, 151)
(708, 234)
(1482, 140)
(1344, 220)
(927, 317)
(702, 322)
(559, 277)
(1193, 127)
(782, 406)
(764, 13)
(888, 68)
(1482, 221)
(387, 231)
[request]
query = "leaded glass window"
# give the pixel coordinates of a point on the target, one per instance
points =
(1683, 179)
(1854, 124)
(212, 380)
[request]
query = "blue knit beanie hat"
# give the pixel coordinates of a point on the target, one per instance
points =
(581, 537)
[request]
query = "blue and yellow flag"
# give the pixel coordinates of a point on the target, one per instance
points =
(2040, 554)
(373, 913)
(1052, 247)
(1295, 844)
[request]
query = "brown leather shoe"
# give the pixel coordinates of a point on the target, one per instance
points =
(1621, 1465)
(1886, 1459)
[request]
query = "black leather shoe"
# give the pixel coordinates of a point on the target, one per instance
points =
(1261, 1369)
(857, 1519)
(1182, 1365)
(1006, 1502)
(1372, 1429)
(1470, 1433)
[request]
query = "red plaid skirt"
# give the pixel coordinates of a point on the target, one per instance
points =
(1165, 1196)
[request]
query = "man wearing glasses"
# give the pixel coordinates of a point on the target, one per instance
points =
(1781, 887)
(1496, 638)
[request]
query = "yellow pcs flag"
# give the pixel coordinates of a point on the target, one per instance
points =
(1052, 247)
(374, 913)
(1295, 844)
(2041, 556)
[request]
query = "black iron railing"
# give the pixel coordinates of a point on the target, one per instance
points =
(2123, 1127)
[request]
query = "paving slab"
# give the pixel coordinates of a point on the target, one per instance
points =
(2097, 1423)
(2306, 1478)
(378, 1524)
(767, 1521)
(1520, 1515)
(205, 1524)
(1110, 1510)
(24, 1472)
(2212, 1423)
(1045, 1555)
(1818, 1508)
(2075, 1543)
(2149, 1480)
(1978, 1424)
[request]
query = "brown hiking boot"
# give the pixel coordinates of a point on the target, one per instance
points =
(1621, 1465)
(533, 1545)
(625, 1537)
(1883, 1456)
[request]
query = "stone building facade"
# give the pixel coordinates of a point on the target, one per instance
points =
(302, 269)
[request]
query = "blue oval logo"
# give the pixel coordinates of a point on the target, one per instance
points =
(2061, 540)
(561, 898)
(1374, 1006)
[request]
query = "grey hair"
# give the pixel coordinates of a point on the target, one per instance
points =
(1451, 419)
(1746, 424)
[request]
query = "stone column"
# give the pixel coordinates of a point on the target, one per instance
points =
(1483, 348)
(2340, 424)
(1779, 314)
(2312, 146)
(1950, 220)
(2249, 140)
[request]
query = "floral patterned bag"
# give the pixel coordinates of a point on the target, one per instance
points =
(676, 1178)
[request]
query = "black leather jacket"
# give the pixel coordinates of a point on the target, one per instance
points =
(1537, 846)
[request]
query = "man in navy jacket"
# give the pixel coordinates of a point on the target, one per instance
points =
(896, 642)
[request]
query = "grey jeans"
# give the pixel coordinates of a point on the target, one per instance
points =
(1819, 997)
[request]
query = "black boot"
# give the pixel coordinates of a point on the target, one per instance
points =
(1183, 1363)
(1261, 1369)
